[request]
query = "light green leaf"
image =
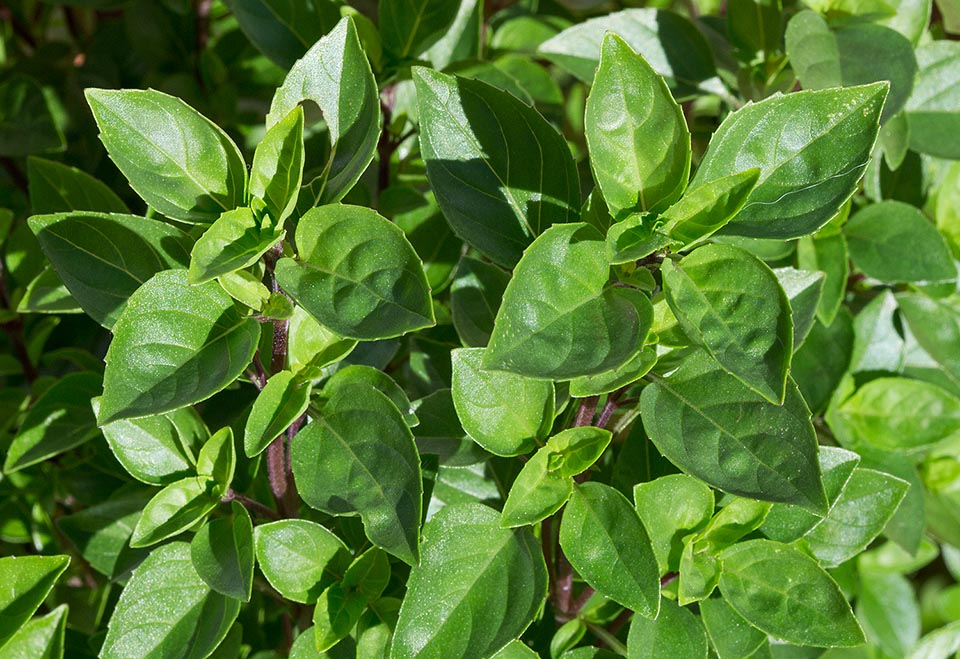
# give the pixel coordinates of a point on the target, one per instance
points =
(505, 413)
(335, 615)
(176, 159)
(39, 638)
(222, 554)
(61, 419)
(299, 558)
(633, 238)
(676, 632)
(935, 325)
(713, 427)
(731, 303)
(888, 611)
(217, 459)
(730, 635)
(895, 243)
(811, 147)
(283, 30)
(941, 643)
(360, 375)
(804, 289)
(828, 254)
(475, 296)
(368, 574)
(409, 27)
(277, 170)
(167, 610)
(707, 208)
(174, 345)
(574, 450)
(59, 188)
(636, 134)
(477, 587)
(462, 40)
(311, 346)
(102, 259)
(559, 318)
(608, 381)
(174, 509)
(360, 457)
(671, 507)
(335, 74)
(236, 240)
(281, 402)
(877, 344)
(470, 133)
(27, 581)
(932, 109)
(357, 274)
(47, 294)
(515, 650)
(604, 540)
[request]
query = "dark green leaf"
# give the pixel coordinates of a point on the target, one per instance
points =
(360, 375)
(820, 363)
(676, 632)
(827, 254)
(282, 401)
(26, 582)
(174, 509)
(336, 613)
(299, 558)
(475, 296)
(284, 30)
(804, 289)
(58, 188)
(222, 554)
(277, 170)
(603, 383)
(27, 122)
(409, 27)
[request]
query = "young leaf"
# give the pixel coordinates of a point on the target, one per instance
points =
(633, 238)
(277, 170)
(470, 133)
(59, 188)
(671, 507)
(604, 540)
(713, 427)
(503, 412)
(39, 638)
(236, 240)
(675, 632)
(409, 27)
(357, 274)
(174, 345)
(177, 160)
(335, 74)
(477, 587)
(283, 400)
(783, 592)
(707, 208)
(222, 554)
(731, 303)
(299, 558)
(102, 259)
(475, 296)
(825, 139)
(174, 509)
(360, 457)
(217, 460)
(27, 581)
(311, 346)
(636, 134)
(167, 598)
(559, 318)
(538, 491)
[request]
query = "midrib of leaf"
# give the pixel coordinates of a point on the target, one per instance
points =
(765, 585)
(626, 571)
(416, 26)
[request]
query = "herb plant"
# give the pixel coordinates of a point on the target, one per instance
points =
(442, 329)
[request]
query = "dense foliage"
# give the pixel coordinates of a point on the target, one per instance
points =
(437, 329)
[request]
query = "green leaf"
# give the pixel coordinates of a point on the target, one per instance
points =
(39, 638)
(47, 294)
(477, 587)
(360, 457)
(217, 460)
(711, 426)
(894, 242)
(409, 27)
(672, 507)
(167, 610)
(157, 449)
(888, 611)
(176, 159)
(175, 344)
(604, 540)
(26, 582)
(932, 112)
(823, 141)
(57, 188)
(277, 170)
(707, 208)
(820, 363)
(284, 30)
(672, 45)
(236, 240)
(222, 554)
(731, 303)
(559, 318)
(335, 74)
(470, 133)
(358, 275)
(281, 402)
(475, 296)
(505, 413)
(311, 346)
(896, 414)
(174, 509)
(102, 259)
(783, 592)
(299, 558)
(633, 238)
(335, 615)
(28, 124)
(935, 324)
(636, 134)
(877, 344)
(61, 419)
(676, 632)
(426, 229)
(941, 643)
(608, 381)
(804, 289)
(359, 375)
(369, 574)
(730, 635)
(828, 254)
(515, 650)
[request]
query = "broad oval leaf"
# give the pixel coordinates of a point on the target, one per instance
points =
(59, 188)
(360, 457)
(470, 133)
(604, 540)
(559, 318)
(222, 554)
(505, 413)
(174, 345)
(676, 632)
(174, 509)
(731, 303)
(236, 240)
(27, 581)
(811, 148)
(280, 403)
(336, 75)
(103, 258)
(783, 592)
(409, 27)
(177, 160)
(933, 109)
(672, 507)
(299, 558)
(277, 170)
(713, 427)
(357, 274)
(477, 587)
(636, 133)
(167, 610)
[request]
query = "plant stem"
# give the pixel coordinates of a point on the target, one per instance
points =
(252, 505)
(588, 407)
(608, 636)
